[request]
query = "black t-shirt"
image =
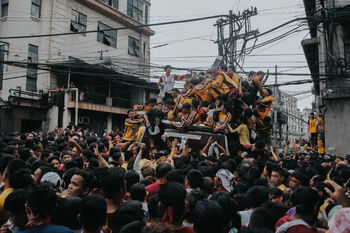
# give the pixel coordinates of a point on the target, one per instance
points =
(154, 117)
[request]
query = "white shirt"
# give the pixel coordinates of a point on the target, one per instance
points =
(168, 83)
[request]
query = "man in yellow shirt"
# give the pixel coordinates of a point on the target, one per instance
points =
(264, 105)
(277, 179)
(320, 146)
(320, 125)
(187, 117)
(223, 84)
(16, 176)
(242, 130)
(132, 126)
(312, 129)
(202, 91)
(224, 117)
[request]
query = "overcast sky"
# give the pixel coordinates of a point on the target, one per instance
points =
(196, 38)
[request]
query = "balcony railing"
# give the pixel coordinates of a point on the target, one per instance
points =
(95, 98)
(19, 96)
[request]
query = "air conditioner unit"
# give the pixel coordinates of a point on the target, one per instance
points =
(81, 120)
(84, 120)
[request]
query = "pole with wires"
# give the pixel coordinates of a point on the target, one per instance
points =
(275, 112)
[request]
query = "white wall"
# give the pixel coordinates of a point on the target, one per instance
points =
(20, 22)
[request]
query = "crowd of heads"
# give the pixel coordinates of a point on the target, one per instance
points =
(73, 180)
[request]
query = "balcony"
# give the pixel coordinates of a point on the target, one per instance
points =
(23, 98)
(97, 102)
(116, 15)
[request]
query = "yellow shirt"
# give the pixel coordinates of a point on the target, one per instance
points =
(243, 133)
(125, 165)
(131, 129)
(146, 162)
(320, 125)
(265, 106)
(3, 197)
(223, 83)
(322, 207)
(320, 146)
(187, 120)
(312, 126)
(203, 92)
(251, 122)
(224, 119)
(282, 187)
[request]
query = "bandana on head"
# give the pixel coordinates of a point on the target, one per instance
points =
(226, 178)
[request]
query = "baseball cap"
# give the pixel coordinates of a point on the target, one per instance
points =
(53, 178)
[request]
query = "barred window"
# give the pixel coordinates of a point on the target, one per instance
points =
(4, 8)
(112, 3)
(36, 8)
(32, 71)
(78, 22)
(135, 9)
(134, 46)
(347, 52)
(107, 37)
(146, 14)
(3, 57)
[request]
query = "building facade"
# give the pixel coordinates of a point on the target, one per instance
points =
(328, 56)
(75, 75)
(294, 129)
(305, 116)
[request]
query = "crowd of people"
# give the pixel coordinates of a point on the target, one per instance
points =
(72, 180)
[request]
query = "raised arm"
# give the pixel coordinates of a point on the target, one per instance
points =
(222, 149)
(138, 159)
(274, 155)
(266, 77)
(100, 158)
(146, 119)
(206, 147)
(231, 130)
(75, 144)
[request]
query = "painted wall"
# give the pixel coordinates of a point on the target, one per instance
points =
(337, 125)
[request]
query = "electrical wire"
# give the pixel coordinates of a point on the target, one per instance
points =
(119, 28)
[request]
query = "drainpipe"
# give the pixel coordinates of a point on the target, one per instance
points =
(51, 32)
(76, 103)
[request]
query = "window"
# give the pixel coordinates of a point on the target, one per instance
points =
(4, 8)
(134, 46)
(146, 15)
(3, 57)
(112, 3)
(32, 72)
(135, 9)
(347, 52)
(107, 37)
(78, 22)
(144, 50)
(36, 8)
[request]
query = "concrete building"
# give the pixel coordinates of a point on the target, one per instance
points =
(294, 129)
(305, 116)
(85, 78)
(328, 56)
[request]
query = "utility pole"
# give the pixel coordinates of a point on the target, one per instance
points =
(287, 126)
(275, 112)
(227, 47)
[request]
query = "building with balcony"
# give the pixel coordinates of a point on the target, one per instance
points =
(305, 116)
(328, 56)
(293, 130)
(78, 76)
